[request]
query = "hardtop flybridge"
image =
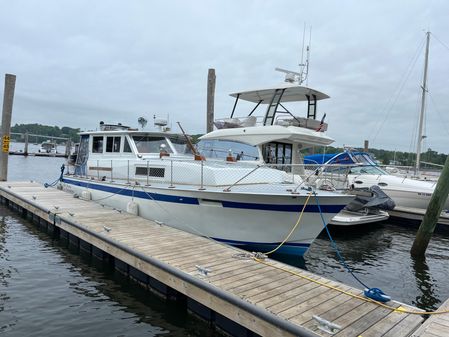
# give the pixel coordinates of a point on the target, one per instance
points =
(233, 196)
(278, 135)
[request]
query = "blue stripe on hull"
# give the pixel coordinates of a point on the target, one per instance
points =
(126, 191)
(137, 194)
(288, 248)
(284, 208)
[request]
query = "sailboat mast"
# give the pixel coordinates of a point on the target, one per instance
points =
(423, 104)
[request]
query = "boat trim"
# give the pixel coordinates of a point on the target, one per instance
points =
(126, 191)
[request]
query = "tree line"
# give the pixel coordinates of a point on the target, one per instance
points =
(385, 157)
(45, 130)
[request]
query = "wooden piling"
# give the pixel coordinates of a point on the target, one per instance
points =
(434, 209)
(366, 146)
(210, 100)
(68, 147)
(8, 98)
(25, 151)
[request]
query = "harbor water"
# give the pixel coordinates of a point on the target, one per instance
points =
(48, 290)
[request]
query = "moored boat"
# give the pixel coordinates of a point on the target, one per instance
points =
(253, 201)
(359, 170)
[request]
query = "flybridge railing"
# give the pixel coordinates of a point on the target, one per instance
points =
(223, 175)
(282, 118)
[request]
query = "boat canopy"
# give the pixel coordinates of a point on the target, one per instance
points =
(292, 93)
(258, 135)
(345, 157)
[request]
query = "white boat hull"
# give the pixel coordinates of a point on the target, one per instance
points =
(405, 192)
(345, 218)
(247, 219)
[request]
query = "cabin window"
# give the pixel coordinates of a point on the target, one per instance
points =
(97, 144)
(277, 153)
(126, 147)
(113, 144)
(146, 144)
(151, 171)
(214, 148)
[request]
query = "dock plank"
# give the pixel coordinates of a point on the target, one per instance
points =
(437, 324)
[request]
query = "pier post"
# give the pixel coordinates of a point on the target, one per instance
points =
(68, 147)
(8, 98)
(366, 146)
(210, 100)
(25, 150)
(433, 211)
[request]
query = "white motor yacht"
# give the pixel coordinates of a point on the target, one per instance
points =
(243, 197)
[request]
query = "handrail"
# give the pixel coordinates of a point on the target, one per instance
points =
(246, 175)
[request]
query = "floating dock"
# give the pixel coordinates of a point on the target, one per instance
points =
(416, 215)
(38, 154)
(239, 294)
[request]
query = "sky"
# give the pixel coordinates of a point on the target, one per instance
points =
(81, 62)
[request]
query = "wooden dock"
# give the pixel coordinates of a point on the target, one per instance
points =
(242, 296)
(435, 326)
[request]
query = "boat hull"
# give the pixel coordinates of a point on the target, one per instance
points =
(353, 218)
(241, 219)
(405, 192)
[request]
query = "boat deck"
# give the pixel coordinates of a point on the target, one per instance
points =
(266, 297)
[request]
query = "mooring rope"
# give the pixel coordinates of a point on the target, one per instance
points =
(373, 293)
(293, 228)
(47, 185)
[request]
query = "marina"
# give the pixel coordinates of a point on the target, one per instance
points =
(248, 284)
(132, 203)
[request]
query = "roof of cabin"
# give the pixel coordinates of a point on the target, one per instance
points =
(264, 134)
(292, 93)
(133, 132)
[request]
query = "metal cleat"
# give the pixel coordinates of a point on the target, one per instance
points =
(203, 271)
(326, 326)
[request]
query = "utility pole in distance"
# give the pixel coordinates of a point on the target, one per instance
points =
(210, 100)
(8, 98)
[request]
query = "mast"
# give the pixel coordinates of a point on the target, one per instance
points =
(423, 103)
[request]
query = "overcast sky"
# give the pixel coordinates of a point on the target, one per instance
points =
(79, 62)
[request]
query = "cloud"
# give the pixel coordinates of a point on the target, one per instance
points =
(79, 62)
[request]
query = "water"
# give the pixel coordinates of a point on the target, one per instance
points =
(45, 289)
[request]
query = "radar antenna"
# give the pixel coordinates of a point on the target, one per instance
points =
(290, 76)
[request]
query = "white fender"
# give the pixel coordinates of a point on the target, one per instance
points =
(132, 208)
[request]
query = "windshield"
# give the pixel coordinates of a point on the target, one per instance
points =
(220, 149)
(368, 169)
(369, 166)
(353, 163)
(180, 144)
(147, 144)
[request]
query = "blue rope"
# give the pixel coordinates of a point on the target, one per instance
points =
(47, 185)
(373, 293)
